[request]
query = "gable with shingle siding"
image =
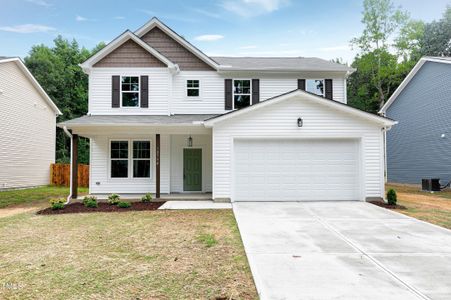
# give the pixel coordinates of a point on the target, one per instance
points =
(130, 54)
(174, 51)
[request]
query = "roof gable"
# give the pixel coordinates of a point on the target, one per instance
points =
(302, 95)
(33, 81)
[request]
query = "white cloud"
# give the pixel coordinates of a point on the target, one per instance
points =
(80, 18)
(40, 2)
(27, 28)
(250, 8)
(207, 13)
(209, 37)
(334, 48)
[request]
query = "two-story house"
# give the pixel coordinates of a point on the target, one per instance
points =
(166, 118)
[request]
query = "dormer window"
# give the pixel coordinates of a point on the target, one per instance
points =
(241, 93)
(130, 91)
(315, 86)
(192, 88)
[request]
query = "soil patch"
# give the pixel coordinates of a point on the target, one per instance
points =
(386, 205)
(103, 207)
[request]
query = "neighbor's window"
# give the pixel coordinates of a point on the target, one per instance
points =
(315, 86)
(192, 88)
(141, 159)
(241, 93)
(130, 91)
(119, 159)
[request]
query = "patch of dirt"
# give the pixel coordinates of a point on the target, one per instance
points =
(11, 211)
(386, 205)
(103, 207)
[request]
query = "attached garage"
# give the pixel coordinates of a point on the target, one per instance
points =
(298, 147)
(296, 169)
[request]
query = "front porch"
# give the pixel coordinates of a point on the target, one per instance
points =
(170, 161)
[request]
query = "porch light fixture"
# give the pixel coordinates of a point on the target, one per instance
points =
(300, 122)
(190, 141)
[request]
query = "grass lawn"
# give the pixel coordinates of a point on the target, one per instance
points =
(434, 208)
(34, 195)
(129, 255)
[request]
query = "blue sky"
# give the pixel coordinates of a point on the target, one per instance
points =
(217, 27)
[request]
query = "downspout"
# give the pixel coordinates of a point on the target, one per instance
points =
(70, 159)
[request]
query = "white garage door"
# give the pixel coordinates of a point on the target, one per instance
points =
(296, 170)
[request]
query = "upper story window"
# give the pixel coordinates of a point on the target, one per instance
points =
(192, 88)
(130, 91)
(241, 93)
(315, 86)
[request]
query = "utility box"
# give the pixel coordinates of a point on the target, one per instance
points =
(430, 184)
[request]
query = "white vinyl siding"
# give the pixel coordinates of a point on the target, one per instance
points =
(280, 121)
(27, 131)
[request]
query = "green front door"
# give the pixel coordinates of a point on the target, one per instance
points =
(192, 169)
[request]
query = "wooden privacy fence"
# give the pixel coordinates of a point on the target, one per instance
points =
(60, 175)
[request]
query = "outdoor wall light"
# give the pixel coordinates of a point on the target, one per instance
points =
(300, 122)
(190, 141)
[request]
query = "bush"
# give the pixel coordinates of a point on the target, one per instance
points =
(90, 201)
(391, 197)
(113, 199)
(124, 204)
(57, 203)
(147, 198)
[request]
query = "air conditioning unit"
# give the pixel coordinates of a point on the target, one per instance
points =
(430, 184)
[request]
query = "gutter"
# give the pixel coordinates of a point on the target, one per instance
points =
(71, 153)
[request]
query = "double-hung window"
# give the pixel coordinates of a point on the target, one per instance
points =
(134, 155)
(130, 91)
(241, 93)
(315, 86)
(192, 88)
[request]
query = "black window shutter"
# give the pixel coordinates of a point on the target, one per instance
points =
(115, 95)
(255, 91)
(301, 84)
(328, 94)
(228, 95)
(144, 91)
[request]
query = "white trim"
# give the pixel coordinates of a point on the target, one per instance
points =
(154, 22)
(408, 78)
(233, 91)
(33, 81)
(127, 35)
(129, 92)
(307, 96)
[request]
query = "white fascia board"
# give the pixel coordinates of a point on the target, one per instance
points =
(297, 93)
(127, 35)
(154, 22)
(34, 82)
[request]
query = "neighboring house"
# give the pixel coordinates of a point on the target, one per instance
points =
(27, 127)
(420, 146)
(166, 118)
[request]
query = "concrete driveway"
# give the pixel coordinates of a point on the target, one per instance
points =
(343, 250)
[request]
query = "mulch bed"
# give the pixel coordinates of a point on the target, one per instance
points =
(386, 205)
(103, 207)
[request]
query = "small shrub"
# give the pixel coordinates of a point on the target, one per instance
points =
(391, 197)
(113, 199)
(90, 201)
(207, 239)
(146, 198)
(124, 204)
(57, 203)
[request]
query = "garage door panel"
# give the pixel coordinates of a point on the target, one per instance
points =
(296, 170)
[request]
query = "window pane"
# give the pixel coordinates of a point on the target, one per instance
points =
(119, 149)
(192, 83)
(242, 101)
(126, 79)
(141, 149)
(141, 168)
(135, 87)
(134, 79)
(315, 86)
(242, 86)
(193, 92)
(130, 99)
(119, 168)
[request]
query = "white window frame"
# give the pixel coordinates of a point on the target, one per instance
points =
(192, 88)
(324, 86)
(130, 159)
(233, 91)
(138, 91)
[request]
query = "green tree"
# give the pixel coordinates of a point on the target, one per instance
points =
(436, 40)
(57, 70)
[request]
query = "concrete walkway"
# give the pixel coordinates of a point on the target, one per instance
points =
(195, 205)
(343, 250)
